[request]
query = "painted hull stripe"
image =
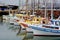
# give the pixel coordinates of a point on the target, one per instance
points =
(45, 30)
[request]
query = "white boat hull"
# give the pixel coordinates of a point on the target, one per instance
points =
(38, 32)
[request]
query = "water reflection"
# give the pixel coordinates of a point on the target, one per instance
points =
(9, 32)
(29, 36)
(6, 34)
(21, 32)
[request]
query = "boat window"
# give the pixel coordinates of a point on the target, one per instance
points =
(51, 27)
(43, 22)
(56, 28)
(37, 19)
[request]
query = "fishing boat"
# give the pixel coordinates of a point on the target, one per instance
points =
(40, 25)
(46, 29)
(43, 26)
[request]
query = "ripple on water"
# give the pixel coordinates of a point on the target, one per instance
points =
(6, 34)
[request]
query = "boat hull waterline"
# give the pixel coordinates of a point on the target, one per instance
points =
(42, 31)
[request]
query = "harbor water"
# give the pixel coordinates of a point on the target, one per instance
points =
(9, 32)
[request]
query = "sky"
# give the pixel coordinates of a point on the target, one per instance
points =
(16, 2)
(12, 2)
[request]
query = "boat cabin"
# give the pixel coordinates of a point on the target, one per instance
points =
(55, 22)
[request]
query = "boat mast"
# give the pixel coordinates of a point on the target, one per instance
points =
(45, 8)
(19, 7)
(33, 6)
(38, 4)
(26, 7)
(51, 9)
